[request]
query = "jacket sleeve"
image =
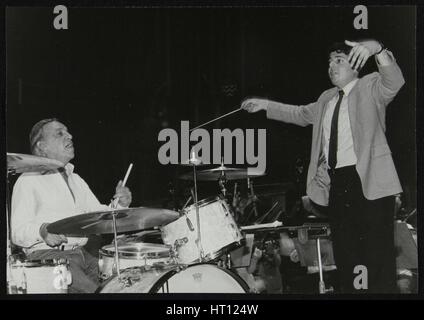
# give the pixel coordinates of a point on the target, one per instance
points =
(387, 83)
(299, 115)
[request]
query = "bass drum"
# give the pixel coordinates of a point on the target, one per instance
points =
(197, 278)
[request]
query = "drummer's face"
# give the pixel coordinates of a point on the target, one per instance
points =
(57, 142)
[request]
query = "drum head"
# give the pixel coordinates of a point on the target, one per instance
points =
(201, 278)
(137, 250)
(198, 278)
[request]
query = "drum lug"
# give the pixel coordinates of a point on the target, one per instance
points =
(179, 242)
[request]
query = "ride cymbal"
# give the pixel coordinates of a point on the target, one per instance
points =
(100, 222)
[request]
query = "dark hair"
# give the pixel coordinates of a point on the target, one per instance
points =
(36, 133)
(339, 47)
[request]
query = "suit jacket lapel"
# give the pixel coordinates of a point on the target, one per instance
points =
(352, 103)
(330, 95)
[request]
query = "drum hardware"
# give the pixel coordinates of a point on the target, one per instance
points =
(134, 254)
(189, 224)
(229, 265)
(252, 199)
(39, 276)
(267, 213)
(321, 284)
(180, 242)
(219, 231)
(252, 194)
(114, 204)
(194, 161)
(220, 172)
(195, 278)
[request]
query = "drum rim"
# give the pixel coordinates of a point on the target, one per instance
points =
(104, 283)
(40, 263)
(161, 281)
(105, 252)
(172, 271)
(205, 201)
(215, 254)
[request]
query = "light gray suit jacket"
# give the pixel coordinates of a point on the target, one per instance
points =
(367, 103)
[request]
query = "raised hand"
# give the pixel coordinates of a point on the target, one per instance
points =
(361, 51)
(124, 195)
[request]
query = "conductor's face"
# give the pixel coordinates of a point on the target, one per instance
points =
(339, 69)
(57, 142)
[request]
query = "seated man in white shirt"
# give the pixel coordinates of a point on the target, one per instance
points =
(42, 198)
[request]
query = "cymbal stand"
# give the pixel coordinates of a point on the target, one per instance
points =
(222, 181)
(194, 161)
(115, 236)
(322, 289)
(114, 205)
(252, 194)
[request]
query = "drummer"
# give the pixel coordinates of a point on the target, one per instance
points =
(42, 198)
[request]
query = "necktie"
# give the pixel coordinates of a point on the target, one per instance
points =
(332, 150)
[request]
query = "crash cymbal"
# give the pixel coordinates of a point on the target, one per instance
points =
(100, 222)
(18, 163)
(229, 173)
(193, 161)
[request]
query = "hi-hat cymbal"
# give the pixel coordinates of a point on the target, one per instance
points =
(223, 171)
(100, 222)
(19, 163)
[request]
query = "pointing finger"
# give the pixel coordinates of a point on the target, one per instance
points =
(351, 43)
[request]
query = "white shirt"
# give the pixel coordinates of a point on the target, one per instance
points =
(44, 198)
(345, 153)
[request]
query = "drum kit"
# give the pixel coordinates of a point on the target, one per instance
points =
(192, 240)
(185, 260)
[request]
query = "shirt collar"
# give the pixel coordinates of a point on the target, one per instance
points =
(347, 88)
(69, 169)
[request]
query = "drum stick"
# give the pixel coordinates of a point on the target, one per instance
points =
(225, 115)
(115, 201)
(127, 174)
(185, 205)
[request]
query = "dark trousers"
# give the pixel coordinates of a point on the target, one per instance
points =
(83, 267)
(363, 235)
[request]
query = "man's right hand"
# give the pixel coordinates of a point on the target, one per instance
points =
(52, 240)
(254, 104)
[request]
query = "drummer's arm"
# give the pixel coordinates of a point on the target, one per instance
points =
(25, 226)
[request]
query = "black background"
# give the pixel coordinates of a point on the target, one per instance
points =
(118, 76)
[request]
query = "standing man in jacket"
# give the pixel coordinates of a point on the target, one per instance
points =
(351, 169)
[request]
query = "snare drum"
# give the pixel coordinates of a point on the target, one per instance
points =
(40, 276)
(218, 229)
(197, 278)
(133, 254)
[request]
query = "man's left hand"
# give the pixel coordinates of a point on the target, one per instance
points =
(361, 51)
(124, 195)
